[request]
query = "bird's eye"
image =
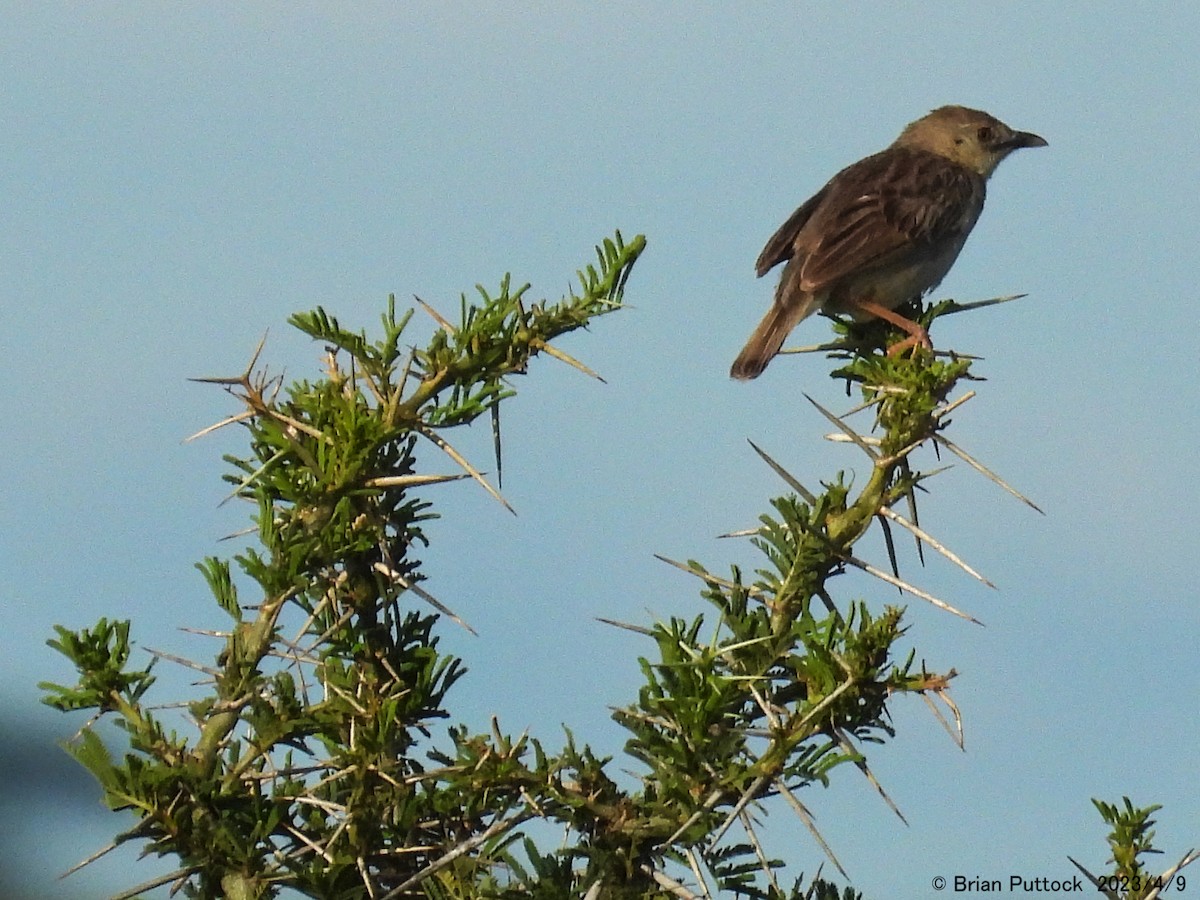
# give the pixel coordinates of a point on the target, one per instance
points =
(985, 134)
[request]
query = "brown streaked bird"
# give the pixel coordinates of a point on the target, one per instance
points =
(884, 230)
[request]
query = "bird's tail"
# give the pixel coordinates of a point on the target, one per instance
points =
(770, 334)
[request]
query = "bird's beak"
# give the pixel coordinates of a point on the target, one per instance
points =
(1025, 139)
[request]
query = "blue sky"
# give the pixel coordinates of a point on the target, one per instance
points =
(179, 178)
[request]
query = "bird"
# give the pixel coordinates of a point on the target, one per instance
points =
(884, 230)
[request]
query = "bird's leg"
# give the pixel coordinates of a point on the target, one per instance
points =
(916, 333)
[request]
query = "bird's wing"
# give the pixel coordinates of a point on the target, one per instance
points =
(782, 244)
(884, 207)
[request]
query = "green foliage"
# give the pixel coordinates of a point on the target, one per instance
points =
(101, 655)
(1131, 839)
(316, 765)
(311, 764)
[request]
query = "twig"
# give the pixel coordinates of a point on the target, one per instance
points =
(984, 470)
(423, 594)
(943, 694)
(690, 853)
(1107, 892)
(932, 542)
(758, 851)
(445, 447)
(950, 407)
(663, 880)
(904, 585)
(436, 316)
(783, 473)
(956, 307)
(747, 796)
(842, 426)
(806, 817)
(861, 763)
(551, 350)
(712, 579)
(387, 481)
(1168, 876)
(713, 799)
(496, 828)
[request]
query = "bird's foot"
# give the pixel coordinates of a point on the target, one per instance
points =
(917, 337)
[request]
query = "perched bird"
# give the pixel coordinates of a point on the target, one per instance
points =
(884, 230)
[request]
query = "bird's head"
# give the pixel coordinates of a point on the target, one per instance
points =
(969, 137)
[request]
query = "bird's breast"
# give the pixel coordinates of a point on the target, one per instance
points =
(897, 281)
